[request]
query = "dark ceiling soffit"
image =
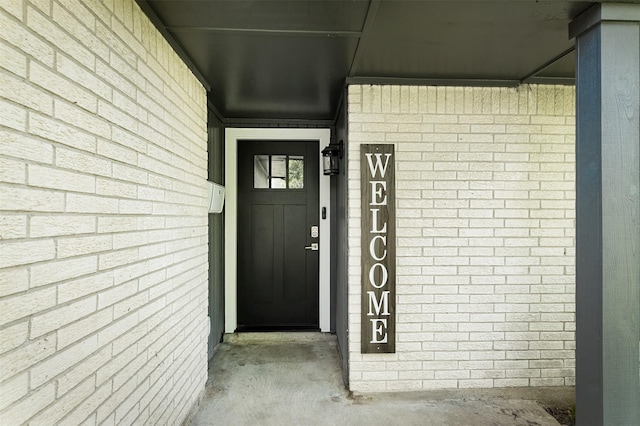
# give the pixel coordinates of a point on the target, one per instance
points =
(244, 122)
(177, 47)
(533, 75)
(366, 30)
(249, 122)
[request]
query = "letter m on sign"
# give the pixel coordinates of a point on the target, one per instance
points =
(378, 307)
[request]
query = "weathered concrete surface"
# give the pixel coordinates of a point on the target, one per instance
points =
(295, 379)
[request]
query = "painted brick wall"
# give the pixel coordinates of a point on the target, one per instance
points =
(103, 225)
(485, 235)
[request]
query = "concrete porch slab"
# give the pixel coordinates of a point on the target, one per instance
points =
(296, 379)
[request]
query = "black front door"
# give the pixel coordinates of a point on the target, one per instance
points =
(278, 235)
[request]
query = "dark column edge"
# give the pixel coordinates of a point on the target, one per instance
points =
(603, 13)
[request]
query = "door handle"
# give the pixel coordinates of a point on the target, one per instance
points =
(312, 247)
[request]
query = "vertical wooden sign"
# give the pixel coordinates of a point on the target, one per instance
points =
(378, 317)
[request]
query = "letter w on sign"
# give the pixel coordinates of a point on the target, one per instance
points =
(378, 308)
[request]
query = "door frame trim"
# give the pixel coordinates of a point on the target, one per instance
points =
(231, 137)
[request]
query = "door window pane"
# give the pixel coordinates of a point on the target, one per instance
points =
(296, 172)
(278, 171)
(278, 183)
(279, 166)
(261, 171)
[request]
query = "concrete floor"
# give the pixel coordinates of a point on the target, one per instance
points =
(296, 379)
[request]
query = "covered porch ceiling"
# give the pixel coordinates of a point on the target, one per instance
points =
(289, 59)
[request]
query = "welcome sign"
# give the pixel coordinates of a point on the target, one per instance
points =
(377, 164)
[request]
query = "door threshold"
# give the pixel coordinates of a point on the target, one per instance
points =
(279, 337)
(276, 328)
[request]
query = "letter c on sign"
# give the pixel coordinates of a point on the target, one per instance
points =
(372, 248)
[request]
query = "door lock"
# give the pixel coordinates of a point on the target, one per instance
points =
(315, 232)
(312, 247)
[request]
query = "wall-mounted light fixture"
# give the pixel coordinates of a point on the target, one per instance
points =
(331, 157)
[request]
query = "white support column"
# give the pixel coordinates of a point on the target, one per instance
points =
(608, 214)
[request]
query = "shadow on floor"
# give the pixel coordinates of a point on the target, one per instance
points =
(296, 379)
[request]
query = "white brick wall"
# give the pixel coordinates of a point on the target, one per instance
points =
(103, 224)
(485, 235)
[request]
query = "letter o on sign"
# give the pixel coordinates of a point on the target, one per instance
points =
(384, 276)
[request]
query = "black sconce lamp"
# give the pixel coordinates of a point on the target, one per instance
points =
(331, 157)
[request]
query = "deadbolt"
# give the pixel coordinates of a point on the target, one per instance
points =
(314, 232)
